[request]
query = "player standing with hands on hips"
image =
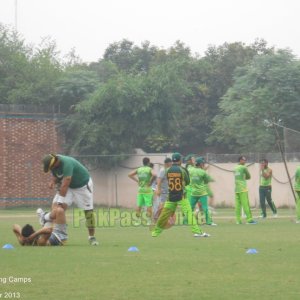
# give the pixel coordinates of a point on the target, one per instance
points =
(75, 186)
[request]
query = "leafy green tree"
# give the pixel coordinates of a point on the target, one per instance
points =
(74, 87)
(266, 89)
(28, 75)
(122, 113)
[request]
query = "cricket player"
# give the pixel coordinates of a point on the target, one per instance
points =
(265, 189)
(144, 177)
(75, 186)
(199, 193)
(162, 180)
(297, 190)
(51, 234)
(177, 178)
(241, 174)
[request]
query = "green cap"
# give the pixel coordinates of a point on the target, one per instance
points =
(189, 156)
(176, 157)
(48, 162)
(200, 160)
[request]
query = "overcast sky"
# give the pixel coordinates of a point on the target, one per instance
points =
(90, 26)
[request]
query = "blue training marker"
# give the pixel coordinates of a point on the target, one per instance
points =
(252, 251)
(8, 246)
(133, 249)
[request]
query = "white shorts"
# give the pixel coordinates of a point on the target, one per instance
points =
(81, 197)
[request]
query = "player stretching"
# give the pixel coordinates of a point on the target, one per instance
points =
(75, 186)
(242, 174)
(177, 179)
(52, 234)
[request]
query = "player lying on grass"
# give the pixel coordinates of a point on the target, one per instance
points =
(51, 234)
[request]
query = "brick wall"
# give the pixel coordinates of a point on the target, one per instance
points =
(24, 140)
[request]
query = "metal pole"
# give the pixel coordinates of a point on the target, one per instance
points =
(16, 15)
(284, 160)
(116, 189)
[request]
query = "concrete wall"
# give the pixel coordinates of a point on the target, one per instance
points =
(115, 188)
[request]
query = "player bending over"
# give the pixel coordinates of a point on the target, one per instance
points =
(51, 234)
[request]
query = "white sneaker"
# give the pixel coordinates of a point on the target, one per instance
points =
(93, 241)
(275, 215)
(149, 222)
(41, 215)
(204, 234)
(137, 223)
(212, 224)
(297, 221)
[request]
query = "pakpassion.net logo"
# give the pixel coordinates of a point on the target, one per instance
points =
(110, 217)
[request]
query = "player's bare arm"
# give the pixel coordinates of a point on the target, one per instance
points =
(158, 188)
(267, 174)
(17, 231)
(65, 185)
(44, 230)
(132, 175)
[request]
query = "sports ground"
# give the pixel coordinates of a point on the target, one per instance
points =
(174, 265)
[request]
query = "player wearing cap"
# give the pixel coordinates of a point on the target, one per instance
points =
(241, 174)
(75, 185)
(177, 178)
(199, 180)
(144, 177)
(297, 190)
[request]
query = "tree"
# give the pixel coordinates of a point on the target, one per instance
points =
(268, 88)
(122, 113)
(27, 75)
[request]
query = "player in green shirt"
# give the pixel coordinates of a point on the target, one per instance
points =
(74, 184)
(241, 174)
(297, 190)
(265, 188)
(144, 177)
(189, 164)
(199, 180)
(177, 178)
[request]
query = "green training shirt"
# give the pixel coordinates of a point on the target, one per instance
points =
(144, 175)
(265, 181)
(69, 166)
(199, 180)
(241, 174)
(297, 180)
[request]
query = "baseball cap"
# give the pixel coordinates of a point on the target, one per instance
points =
(189, 156)
(48, 162)
(168, 160)
(200, 160)
(176, 157)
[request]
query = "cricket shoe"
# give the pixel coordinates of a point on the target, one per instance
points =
(212, 224)
(252, 222)
(93, 241)
(204, 234)
(41, 215)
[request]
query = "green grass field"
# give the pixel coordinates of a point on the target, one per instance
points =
(173, 266)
